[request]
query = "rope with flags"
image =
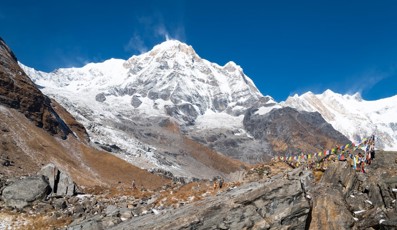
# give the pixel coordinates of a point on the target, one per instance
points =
(318, 160)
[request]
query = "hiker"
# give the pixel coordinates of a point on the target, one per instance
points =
(133, 185)
(354, 162)
(220, 183)
(341, 156)
(368, 158)
(361, 162)
(215, 185)
(372, 150)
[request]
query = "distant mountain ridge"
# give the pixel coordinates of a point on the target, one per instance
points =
(353, 116)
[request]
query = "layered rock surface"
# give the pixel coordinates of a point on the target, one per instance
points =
(17, 91)
(341, 199)
(276, 203)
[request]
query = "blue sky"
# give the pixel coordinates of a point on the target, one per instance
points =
(286, 47)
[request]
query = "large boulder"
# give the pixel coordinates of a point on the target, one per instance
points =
(23, 192)
(61, 183)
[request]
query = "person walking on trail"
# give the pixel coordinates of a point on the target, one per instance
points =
(215, 185)
(369, 157)
(361, 160)
(372, 147)
(133, 185)
(220, 183)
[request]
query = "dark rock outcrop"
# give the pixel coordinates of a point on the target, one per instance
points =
(289, 130)
(135, 101)
(100, 97)
(17, 91)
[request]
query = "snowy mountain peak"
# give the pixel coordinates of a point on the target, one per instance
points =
(172, 45)
(232, 67)
(171, 79)
(173, 49)
(353, 116)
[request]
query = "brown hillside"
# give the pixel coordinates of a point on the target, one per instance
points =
(202, 154)
(29, 148)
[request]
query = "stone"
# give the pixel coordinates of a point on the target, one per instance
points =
(125, 214)
(66, 186)
(43, 207)
(135, 101)
(100, 97)
(341, 175)
(78, 209)
(112, 210)
(110, 221)
(389, 224)
(329, 210)
(89, 224)
(375, 195)
(371, 218)
(52, 173)
(61, 183)
(23, 192)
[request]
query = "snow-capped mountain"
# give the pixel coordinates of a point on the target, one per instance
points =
(171, 78)
(122, 102)
(171, 109)
(354, 117)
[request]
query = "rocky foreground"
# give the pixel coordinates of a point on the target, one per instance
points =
(271, 196)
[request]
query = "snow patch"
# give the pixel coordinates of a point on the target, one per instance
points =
(266, 109)
(211, 119)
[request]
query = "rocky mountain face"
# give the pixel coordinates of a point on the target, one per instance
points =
(290, 131)
(17, 91)
(353, 116)
(156, 109)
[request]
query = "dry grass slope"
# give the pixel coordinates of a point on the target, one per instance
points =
(30, 147)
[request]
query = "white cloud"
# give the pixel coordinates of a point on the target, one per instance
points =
(136, 43)
(152, 30)
(162, 32)
(366, 81)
